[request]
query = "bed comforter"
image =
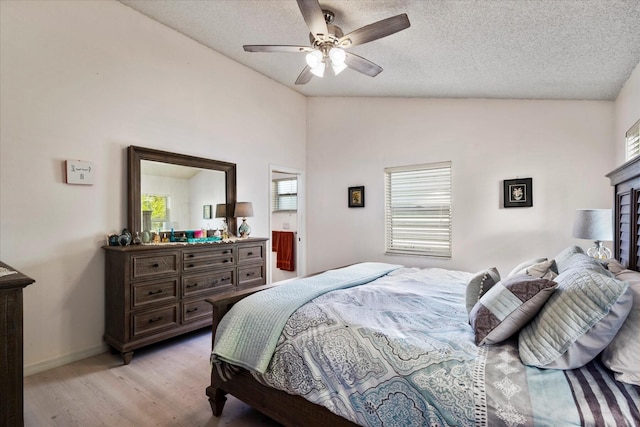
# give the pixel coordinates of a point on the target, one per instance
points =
(399, 351)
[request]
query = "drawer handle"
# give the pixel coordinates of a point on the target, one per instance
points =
(227, 279)
(249, 253)
(159, 291)
(191, 310)
(190, 266)
(251, 274)
(156, 265)
(192, 286)
(156, 319)
(225, 260)
(191, 255)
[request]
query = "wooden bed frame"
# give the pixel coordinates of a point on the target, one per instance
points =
(292, 410)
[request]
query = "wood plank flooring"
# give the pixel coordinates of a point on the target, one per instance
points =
(164, 385)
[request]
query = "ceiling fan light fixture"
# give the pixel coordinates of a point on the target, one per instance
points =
(318, 70)
(314, 59)
(338, 68)
(337, 56)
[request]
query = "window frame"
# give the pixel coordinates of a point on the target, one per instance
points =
(422, 227)
(275, 202)
(632, 142)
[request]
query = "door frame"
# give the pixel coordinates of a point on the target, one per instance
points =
(300, 249)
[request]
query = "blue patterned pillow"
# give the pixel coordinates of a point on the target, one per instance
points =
(509, 305)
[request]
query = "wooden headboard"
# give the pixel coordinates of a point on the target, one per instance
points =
(626, 183)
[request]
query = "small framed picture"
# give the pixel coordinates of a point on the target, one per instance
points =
(356, 197)
(206, 212)
(518, 193)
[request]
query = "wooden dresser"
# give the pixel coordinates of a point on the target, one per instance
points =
(11, 350)
(155, 292)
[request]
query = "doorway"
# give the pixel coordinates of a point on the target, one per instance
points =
(286, 194)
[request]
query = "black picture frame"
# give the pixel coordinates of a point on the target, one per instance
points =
(356, 197)
(207, 212)
(518, 193)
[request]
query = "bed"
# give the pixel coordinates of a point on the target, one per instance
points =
(375, 344)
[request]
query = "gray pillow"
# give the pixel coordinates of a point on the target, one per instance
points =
(577, 323)
(480, 283)
(518, 269)
(622, 355)
(508, 306)
(564, 255)
(544, 270)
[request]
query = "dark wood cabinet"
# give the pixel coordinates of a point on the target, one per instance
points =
(626, 180)
(155, 292)
(11, 349)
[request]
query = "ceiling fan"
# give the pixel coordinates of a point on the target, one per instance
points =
(328, 43)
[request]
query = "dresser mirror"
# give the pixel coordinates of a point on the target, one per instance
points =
(178, 191)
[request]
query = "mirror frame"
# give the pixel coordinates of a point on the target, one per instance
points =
(136, 154)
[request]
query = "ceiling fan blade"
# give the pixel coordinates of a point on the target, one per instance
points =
(276, 48)
(304, 76)
(313, 16)
(375, 31)
(362, 65)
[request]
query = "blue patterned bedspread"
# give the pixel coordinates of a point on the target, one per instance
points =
(399, 351)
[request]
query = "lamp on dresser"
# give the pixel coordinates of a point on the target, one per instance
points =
(243, 210)
(596, 225)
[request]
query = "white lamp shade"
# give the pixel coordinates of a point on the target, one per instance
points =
(243, 210)
(593, 224)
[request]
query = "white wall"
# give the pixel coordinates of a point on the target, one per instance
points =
(627, 108)
(84, 80)
(565, 146)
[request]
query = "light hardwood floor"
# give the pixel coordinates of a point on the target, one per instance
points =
(164, 385)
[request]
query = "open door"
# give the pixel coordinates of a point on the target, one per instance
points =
(287, 258)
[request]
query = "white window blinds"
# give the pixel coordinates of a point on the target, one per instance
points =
(285, 194)
(418, 210)
(633, 141)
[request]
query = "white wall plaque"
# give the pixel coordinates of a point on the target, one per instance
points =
(79, 172)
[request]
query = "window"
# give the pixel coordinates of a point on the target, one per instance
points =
(285, 194)
(159, 207)
(633, 141)
(418, 210)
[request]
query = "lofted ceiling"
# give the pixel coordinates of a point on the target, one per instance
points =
(509, 49)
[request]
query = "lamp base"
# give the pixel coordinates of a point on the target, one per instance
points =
(599, 251)
(244, 230)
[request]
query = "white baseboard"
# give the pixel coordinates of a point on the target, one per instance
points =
(34, 368)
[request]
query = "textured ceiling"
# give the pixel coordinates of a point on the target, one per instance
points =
(513, 49)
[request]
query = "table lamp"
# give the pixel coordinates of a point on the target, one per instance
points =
(596, 225)
(243, 210)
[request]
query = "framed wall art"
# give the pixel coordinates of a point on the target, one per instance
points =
(207, 211)
(518, 193)
(356, 197)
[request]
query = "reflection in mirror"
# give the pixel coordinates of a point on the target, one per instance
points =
(175, 196)
(169, 190)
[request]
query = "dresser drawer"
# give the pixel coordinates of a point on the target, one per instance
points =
(250, 253)
(144, 266)
(198, 259)
(251, 276)
(219, 280)
(154, 320)
(196, 310)
(146, 293)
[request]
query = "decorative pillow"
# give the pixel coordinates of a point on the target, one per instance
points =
(480, 283)
(543, 270)
(564, 255)
(586, 262)
(577, 323)
(509, 305)
(525, 264)
(622, 355)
